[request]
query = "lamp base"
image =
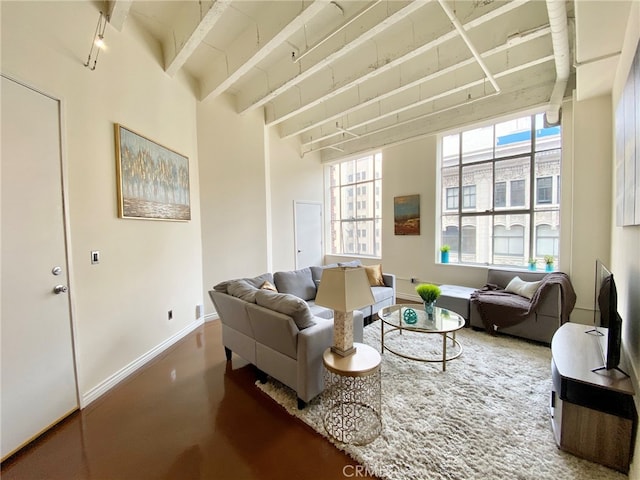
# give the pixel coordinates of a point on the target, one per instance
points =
(343, 353)
(343, 333)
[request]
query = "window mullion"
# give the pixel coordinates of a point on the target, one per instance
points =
(460, 200)
(532, 187)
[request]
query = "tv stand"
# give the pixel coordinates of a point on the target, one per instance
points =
(594, 331)
(592, 411)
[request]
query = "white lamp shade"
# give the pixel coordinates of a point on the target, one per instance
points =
(344, 289)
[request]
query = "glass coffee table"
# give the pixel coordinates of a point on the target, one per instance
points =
(412, 317)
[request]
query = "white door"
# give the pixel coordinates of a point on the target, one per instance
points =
(308, 233)
(38, 376)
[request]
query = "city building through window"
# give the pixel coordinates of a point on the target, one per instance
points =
(500, 192)
(354, 200)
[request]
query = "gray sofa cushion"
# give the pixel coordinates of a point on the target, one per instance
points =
(501, 278)
(255, 281)
(287, 304)
(318, 311)
(243, 290)
(296, 282)
(455, 298)
(352, 263)
(316, 272)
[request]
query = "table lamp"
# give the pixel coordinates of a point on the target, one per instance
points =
(344, 289)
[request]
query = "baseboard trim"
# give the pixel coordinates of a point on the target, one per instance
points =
(103, 387)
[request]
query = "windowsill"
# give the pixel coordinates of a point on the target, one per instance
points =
(524, 268)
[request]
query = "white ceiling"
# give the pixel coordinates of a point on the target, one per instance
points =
(348, 76)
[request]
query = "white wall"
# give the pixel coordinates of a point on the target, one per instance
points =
(588, 223)
(625, 241)
(291, 178)
(233, 195)
(147, 267)
(250, 180)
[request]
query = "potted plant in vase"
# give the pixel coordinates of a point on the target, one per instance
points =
(533, 264)
(429, 294)
(444, 253)
(548, 261)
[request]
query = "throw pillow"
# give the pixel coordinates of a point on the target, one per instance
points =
(522, 288)
(374, 273)
(296, 282)
(243, 290)
(287, 304)
(267, 285)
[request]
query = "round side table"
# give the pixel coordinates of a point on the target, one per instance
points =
(352, 396)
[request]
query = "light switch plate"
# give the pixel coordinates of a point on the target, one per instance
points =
(95, 257)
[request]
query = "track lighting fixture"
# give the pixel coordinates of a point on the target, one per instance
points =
(97, 43)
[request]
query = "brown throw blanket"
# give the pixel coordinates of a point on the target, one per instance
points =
(504, 309)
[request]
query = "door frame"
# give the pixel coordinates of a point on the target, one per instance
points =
(65, 220)
(295, 228)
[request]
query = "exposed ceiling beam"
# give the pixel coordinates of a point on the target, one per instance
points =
(336, 31)
(262, 51)
(462, 88)
(181, 42)
(361, 78)
(532, 92)
(463, 33)
(118, 11)
(337, 110)
(347, 48)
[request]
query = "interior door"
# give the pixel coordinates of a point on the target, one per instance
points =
(308, 234)
(38, 374)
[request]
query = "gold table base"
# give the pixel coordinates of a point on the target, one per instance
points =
(352, 397)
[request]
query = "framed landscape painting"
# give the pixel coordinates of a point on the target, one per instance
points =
(153, 181)
(406, 213)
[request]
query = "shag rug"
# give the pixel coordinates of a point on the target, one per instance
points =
(486, 417)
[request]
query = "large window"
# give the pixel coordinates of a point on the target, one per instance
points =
(500, 192)
(354, 200)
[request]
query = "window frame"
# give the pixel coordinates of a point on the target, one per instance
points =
(364, 218)
(515, 197)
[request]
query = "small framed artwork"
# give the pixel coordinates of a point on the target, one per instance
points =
(153, 181)
(406, 215)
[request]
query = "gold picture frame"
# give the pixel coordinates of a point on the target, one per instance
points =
(153, 181)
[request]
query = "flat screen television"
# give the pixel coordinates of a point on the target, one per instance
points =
(606, 317)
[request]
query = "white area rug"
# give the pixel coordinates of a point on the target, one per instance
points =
(486, 417)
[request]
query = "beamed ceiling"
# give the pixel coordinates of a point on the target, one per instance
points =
(349, 76)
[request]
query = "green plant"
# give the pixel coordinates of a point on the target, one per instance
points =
(428, 292)
(532, 261)
(445, 248)
(548, 259)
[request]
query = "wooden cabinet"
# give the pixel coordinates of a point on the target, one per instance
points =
(593, 413)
